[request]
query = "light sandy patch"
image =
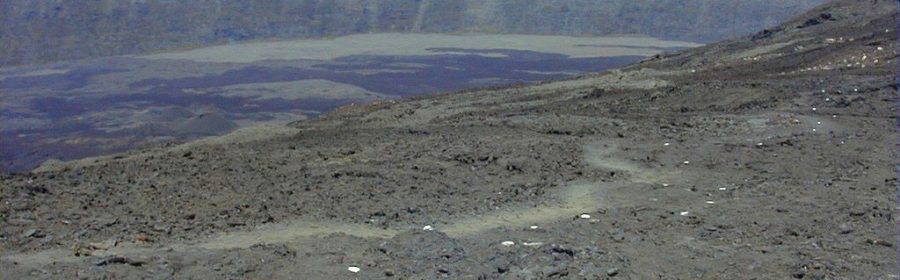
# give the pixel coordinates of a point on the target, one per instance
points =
(490, 81)
(242, 135)
(548, 72)
(36, 73)
(761, 50)
(409, 65)
(247, 120)
(576, 199)
(368, 72)
(269, 234)
(419, 44)
(295, 90)
(642, 79)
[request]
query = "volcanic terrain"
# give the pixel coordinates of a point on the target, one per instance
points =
(771, 156)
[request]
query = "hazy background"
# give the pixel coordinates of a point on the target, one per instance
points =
(47, 30)
(198, 68)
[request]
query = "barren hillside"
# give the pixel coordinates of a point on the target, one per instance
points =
(770, 156)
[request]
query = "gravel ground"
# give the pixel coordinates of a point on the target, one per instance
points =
(736, 160)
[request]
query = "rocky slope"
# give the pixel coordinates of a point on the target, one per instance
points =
(49, 30)
(768, 157)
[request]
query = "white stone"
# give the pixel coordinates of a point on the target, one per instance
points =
(353, 269)
(685, 213)
(428, 228)
(507, 243)
(585, 216)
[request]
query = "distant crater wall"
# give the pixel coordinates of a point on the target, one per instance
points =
(35, 31)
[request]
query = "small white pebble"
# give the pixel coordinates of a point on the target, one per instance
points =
(827, 99)
(507, 243)
(585, 216)
(428, 228)
(666, 144)
(759, 144)
(710, 202)
(685, 213)
(818, 122)
(534, 227)
(855, 90)
(533, 243)
(723, 189)
(814, 130)
(880, 48)
(665, 185)
(353, 269)
(814, 108)
(833, 116)
(687, 162)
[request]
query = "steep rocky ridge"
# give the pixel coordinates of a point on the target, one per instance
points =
(48, 30)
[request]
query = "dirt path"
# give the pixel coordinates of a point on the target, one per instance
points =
(576, 199)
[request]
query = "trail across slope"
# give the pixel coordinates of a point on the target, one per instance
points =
(574, 199)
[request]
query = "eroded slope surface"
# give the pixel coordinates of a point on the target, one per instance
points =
(768, 157)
